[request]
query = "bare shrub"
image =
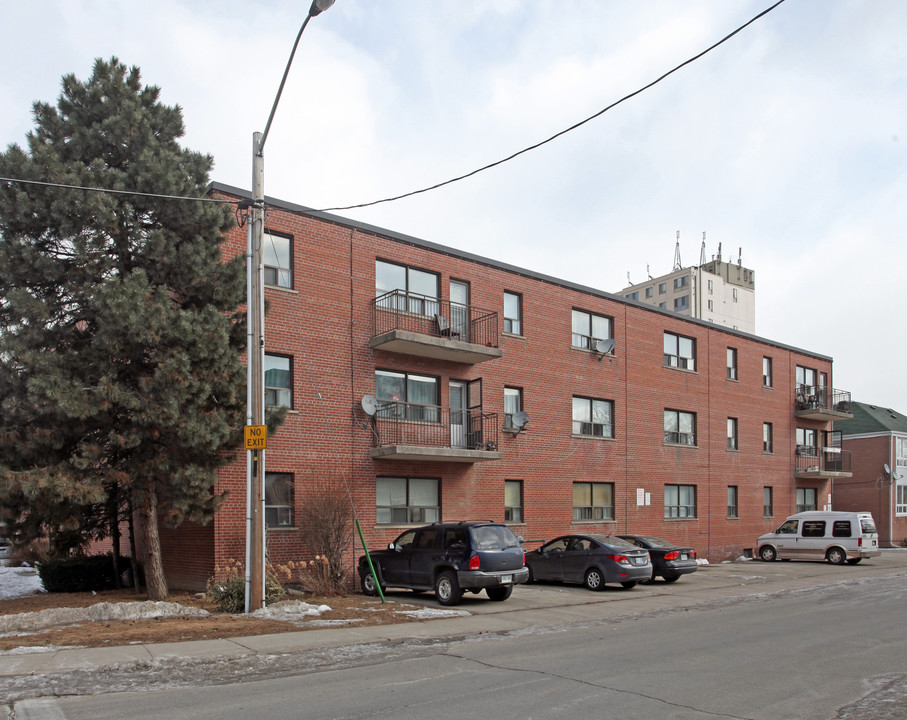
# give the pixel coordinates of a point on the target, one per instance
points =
(325, 523)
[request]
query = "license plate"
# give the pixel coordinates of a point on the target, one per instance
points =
(639, 561)
(506, 579)
(684, 556)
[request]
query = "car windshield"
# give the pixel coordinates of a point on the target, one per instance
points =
(615, 541)
(493, 537)
(655, 542)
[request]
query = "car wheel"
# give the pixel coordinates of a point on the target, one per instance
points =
(671, 578)
(447, 589)
(500, 593)
(836, 556)
(369, 586)
(854, 561)
(628, 584)
(594, 580)
(767, 553)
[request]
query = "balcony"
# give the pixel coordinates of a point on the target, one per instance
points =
(412, 324)
(822, 463)
(409, 431)
(819, 403)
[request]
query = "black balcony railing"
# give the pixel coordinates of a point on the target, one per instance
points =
(401, 310)
(400, 423)
(822, 460)
(816, 397)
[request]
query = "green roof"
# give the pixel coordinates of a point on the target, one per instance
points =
(872, 419)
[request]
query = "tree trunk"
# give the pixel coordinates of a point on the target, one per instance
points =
(113, 517)
(154, 566)
(133, 555)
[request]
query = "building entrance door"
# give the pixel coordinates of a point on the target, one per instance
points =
(457, 396)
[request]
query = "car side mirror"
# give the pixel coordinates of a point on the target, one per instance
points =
(391, 546)
(519, 539)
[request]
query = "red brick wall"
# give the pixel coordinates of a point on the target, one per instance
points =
(325, 324)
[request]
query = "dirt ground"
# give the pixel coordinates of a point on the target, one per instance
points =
(357, 610)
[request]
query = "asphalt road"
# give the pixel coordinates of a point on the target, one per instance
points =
(834, 648)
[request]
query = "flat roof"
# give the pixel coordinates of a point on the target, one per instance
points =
(471, 257)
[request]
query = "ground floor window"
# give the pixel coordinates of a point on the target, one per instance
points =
(901, 502)
(680, 501)
(278, 500)
(806, 499)
(768, 505)
(593, 501)
(401, 500)
(513, 501)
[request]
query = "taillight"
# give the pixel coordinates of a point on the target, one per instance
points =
(693, 554)
(673, 555)
(524, 558)
(474, 562)
(860, 542)
(622, 559)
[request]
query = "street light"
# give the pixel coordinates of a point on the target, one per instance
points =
(255, 308)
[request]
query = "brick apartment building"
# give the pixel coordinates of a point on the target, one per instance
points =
(876, 437)
(679, 428)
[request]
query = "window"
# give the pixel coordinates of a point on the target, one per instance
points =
(767, 433)
(662, 288)
(278, 500)
(680, 351)
(806, 381)
(900, 507)
(593, 417)
(732, 501)
(682, 303)
(662, 306)
(278, 381)
(734, 291)
(711, 306)
(841, 528)
(813, 528)
(410, 396)
(680, 427)
(731, 363)
(633, 296)
(806, 442)
(405, 288)
(277, 259)
(513, 313)
(900, 451)
(401, 500)
(711, 286)
(650, 292)
(767, 371)
(681, 282)
(732, 434)
(513, 501)
(806, 499)
(588, 327)
(768, 504)
(513, 403)
(593, 501)
(680, 501)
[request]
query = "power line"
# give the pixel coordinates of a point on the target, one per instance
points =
(117, 192)
(565, 131)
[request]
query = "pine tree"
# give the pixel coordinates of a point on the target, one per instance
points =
(119, 335)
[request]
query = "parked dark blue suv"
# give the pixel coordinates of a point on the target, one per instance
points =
(449, 558)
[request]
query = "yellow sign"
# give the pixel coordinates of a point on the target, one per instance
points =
(256, 437)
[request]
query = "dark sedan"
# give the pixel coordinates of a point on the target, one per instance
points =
(591, 560)
(669, 561)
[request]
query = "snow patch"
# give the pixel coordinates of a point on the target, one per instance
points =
(290, 610)
(42, 619)
(432, 613)
(19, 581)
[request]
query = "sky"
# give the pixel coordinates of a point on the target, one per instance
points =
(787, 144)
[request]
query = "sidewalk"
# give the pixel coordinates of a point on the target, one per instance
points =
(530, 606)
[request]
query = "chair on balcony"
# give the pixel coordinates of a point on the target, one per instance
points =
(444, 329)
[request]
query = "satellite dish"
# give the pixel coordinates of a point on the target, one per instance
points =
(518, 420)
(887, 470)
(369, 404)
(605, 347)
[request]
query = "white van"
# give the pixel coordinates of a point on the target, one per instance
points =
(822, 535)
